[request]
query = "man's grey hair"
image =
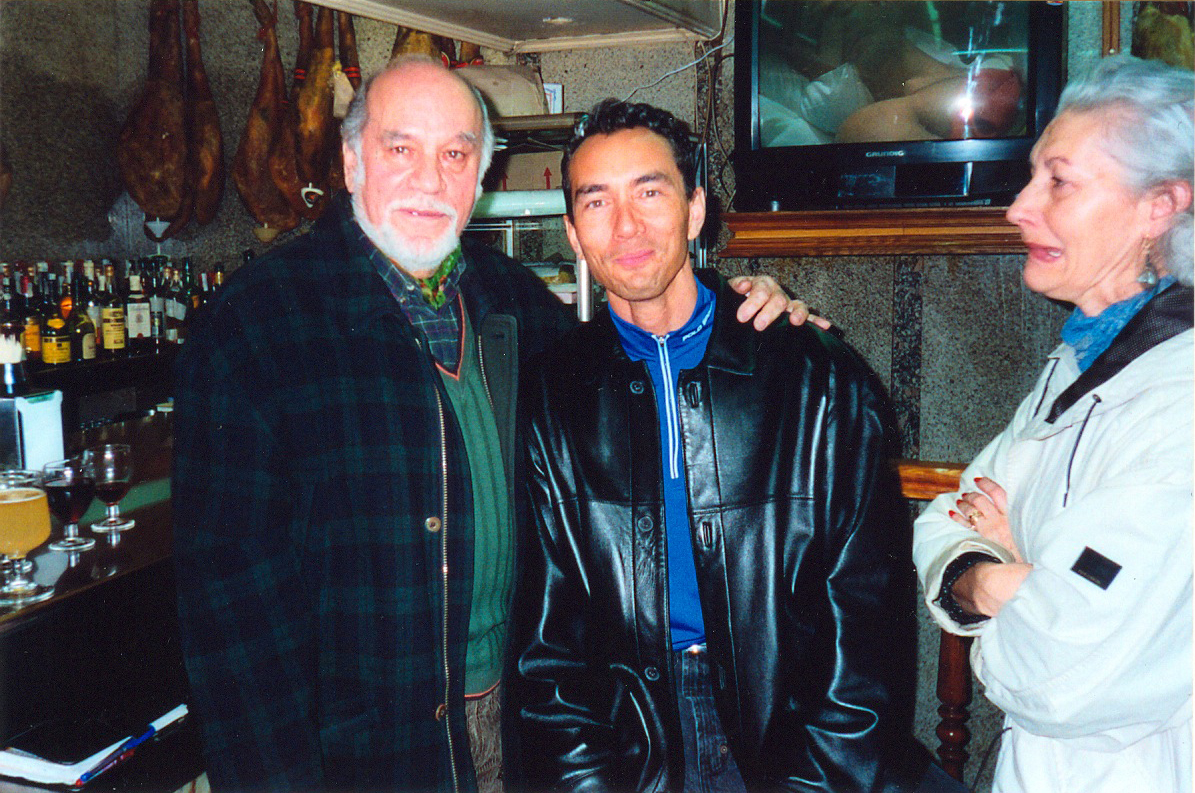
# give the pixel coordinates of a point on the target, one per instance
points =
(358, 113)
(1150, 132)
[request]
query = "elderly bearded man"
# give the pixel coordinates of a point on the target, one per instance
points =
(344, 475)
(713, 594)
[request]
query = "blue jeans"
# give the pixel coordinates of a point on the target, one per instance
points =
(709, 766)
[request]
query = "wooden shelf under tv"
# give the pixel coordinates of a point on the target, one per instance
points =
(875, 232)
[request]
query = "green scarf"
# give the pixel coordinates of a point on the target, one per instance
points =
(433, 286)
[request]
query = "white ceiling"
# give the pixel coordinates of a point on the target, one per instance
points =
(541, 25)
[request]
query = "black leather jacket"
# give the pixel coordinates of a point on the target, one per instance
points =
(799, 551)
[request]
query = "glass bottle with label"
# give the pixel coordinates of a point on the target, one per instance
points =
(12, 348)
(79, 324)
(31, 316)
(55, 338)
(112, 322)
(137, 317)
(94, 298)
(176, 307)
(157, 301)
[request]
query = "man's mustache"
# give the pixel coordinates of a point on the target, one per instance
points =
(422, 205)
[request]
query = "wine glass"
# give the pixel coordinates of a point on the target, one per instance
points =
(70, 487)
(24, 525)
(113, 464)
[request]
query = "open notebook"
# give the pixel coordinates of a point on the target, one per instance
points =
(46, 753)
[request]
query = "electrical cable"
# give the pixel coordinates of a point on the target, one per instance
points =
(677, 70)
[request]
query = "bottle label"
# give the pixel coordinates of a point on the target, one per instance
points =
(32, 336)
(137, 318)
(12, 350)
(87, 347)
(112, 321)
(56, 349)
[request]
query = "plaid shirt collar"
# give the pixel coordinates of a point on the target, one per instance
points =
(441, 327)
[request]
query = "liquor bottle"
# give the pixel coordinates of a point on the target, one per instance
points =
(50, 294)
(66, 296)
(193, 294)
(112, 323)
(157, 304)
(55, 338)
(137, 316)
(79, 324)
(95, 288)
(176, 308)
(66, 277)
(31, 317)
(217, 277)
(13, 381)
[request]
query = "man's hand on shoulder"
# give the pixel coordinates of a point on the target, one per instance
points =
(766, 301)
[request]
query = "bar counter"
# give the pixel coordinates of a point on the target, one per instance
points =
(106, 643)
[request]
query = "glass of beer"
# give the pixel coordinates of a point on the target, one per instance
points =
(24, 525)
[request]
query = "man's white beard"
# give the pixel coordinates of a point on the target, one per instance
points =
(410, 256)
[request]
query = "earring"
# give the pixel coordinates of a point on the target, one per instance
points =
(1149, 274)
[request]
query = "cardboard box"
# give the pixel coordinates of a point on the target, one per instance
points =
(531, 171)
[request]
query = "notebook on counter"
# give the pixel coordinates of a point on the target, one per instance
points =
(74, 752)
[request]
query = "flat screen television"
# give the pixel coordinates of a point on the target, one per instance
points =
(850, 103)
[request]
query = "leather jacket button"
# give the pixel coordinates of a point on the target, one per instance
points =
(441, 711)
(651, 673)
(432, 524)
(644, 523)
(636, 386)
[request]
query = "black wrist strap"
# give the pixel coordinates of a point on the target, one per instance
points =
(954, 571)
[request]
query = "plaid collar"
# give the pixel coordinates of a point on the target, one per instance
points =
(441, 326)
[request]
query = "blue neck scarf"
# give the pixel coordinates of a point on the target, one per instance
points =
(1090, 336)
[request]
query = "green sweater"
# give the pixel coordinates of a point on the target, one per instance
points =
(493, 542)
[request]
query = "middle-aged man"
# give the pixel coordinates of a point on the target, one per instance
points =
(344, 475)
(713, 581)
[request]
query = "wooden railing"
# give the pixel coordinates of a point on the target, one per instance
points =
(923, 481)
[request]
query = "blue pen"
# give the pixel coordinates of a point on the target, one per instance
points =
(114, 756)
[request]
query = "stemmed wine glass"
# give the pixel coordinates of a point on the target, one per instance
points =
(113, 463)
(70, 486)
(24, 525)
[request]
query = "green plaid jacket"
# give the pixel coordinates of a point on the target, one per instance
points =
(323, 559)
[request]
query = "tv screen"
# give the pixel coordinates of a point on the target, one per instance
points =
(853, 103)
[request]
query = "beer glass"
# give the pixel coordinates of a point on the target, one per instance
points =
(24, 525)
(70, 487)
(113, 463)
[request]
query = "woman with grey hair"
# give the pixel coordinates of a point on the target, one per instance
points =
(1066, 551)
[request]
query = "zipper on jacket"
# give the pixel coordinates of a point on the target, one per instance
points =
(485, 380)
(444, 582)
(671, 417)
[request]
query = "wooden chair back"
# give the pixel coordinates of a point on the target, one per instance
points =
(923, 481)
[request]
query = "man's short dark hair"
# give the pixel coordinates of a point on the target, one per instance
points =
(614, 115)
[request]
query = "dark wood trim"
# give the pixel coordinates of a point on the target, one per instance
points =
(923, 480)
(1110, 43)
(954, 692)
(858, 232)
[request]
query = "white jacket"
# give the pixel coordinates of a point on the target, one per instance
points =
(1095, 681)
